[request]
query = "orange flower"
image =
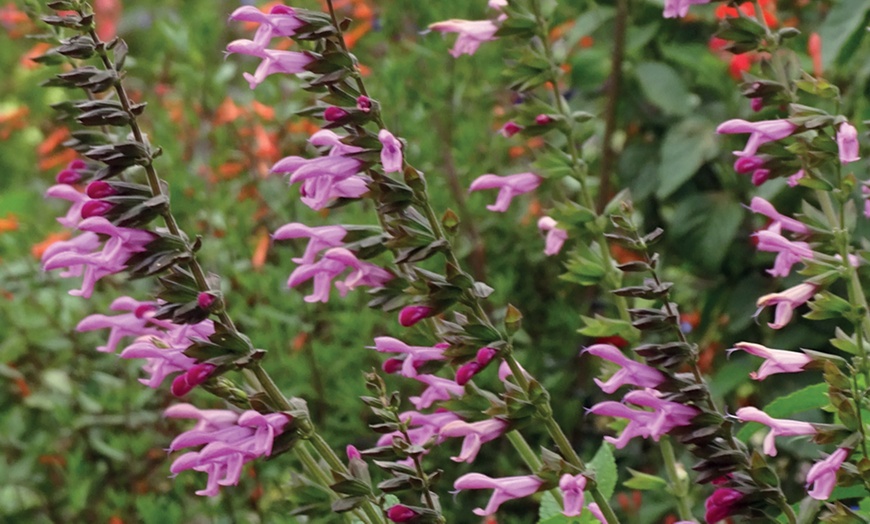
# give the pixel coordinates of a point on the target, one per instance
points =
(261, 250)
(814, 48)
(12, 120)
(38, 249)
(58, 159)
(52, 141)
(35, 51)
(10, 223)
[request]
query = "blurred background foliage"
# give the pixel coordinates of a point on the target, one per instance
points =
(82, 441)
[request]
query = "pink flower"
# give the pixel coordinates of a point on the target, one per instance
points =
(665, 416)
(748, 164)
(72, 195)
(422, 426)
(597, 513)
(137, 322)
(472, 33)
(184, 383)
(631, 372)
(778, 427)
(763, 207)
(321, 237)
(788, 253)
(164, 354)
(467, 371)
(555, 237)
(776, 360)
(410, 315)
(230, 441)
(572, 491)
(287, 62)
(823, 474)
(281, 21)
(438, 389)
(508, 187)
(475, 434)
(334, 262)
(510, 129)
(760, 132)
(722, 504)
(794, 180)
(505, 489)
(401, 513)
(415, 356)
(391, 152)
(328, 177)
(847, 143)
(680, 8)
(786, 302)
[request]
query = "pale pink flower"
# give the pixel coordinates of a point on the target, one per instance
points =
(786, 302)
(333, 263)
(508, 187)
(630, 372)
(778, 427)
(788, 252)
(391, 152)
(280, 21)
(665, 416)
(572, 487)
(471, 33)
(475, 434)
(776, 360)
(823, 475)
(164, 353)
(760, 132)
(136, 322)
(794, 180)
(847, 143)
(555, 237)
(763, 207)
(321, 237)
(415, 356)
(438, 389)
(505, 489)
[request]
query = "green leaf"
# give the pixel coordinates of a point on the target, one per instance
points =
(810, 397)
(604, 466)
(606, 327)
(644, 481)
(704, 225)
(846, 19)
(663, 87)
(686, 147)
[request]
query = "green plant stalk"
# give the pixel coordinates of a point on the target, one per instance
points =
(679, 485)
(309, 463)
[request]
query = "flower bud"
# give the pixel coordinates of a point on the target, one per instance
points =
(401, 513)
(392, 365)
(353, 453)
(485, 355)
(205, 300)
(543, 120)
(95, 208)
(466, 372)
(180, 386)
(364, 103)
(100, 189)
(199, 373)
(410, 315)
(334, 114)
(143, 310)
(760, 176)
(68, 176)
(757, 104)
(510, 129)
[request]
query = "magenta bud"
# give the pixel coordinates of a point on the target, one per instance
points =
(77, 165)
(100, 189)
(205, 300)
(364, 103)
(199, 373)
(143, 310)
(757, 104)
(353, 453)
(510, 129)
(392, 365)
(333, 114)
(543, 120)
(68, 176)
(760, 176)
(281, 10)
(95, 208)
(401, 513)
(410, 315)
(485, 355)
(180, 386)
(748, 164)
(466, 372)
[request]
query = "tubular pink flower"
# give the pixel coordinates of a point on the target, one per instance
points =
(321, 237)
(391, 152)
(631, 372)
(196, 375)
(475, 434)
(788, 253)
(760, 132)
(228, 445)
(680, 8)
(323, 178)
(334, 262)
(415, 356)
(471, 33)
(572, 491)
(786, 302)
(555, 237)
(401, 513)
(410, 315)
(164, 354)
(763, 207)
(75, 197)
(722, 504)
(778, 427)
(747, 164)
(505, 489)
(776, 360)
(508, 187)
(280, 21)
(137, 322)
(794, 180)
(847, 143)
(438, 389)
(823, 475)
(334, 114)
(597, 513)
(288, 62)
(665, 416)
(498, 5)
(423, 426)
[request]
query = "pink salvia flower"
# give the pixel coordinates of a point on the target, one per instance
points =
(510, 129)
(273, 61)
(631, 372)
(410, 315)
(323, 178)
(786, 302)
(760, 132)
(680, 8)
(788, 252)
(422, 426)
(352, 452)
(665, 416)
(474, 435)
(847, 143)
(401, 513)
(572, 492)
(164, 354)
(334, 262)
(280, 21)
(778, 427)
(137, 322)
(320, 238)
(794, 180)
(438, 389)
(415, 356)
(471, 33)
(722, 504)
(196, 375)
(823, 475)
(229, 443)
(763, 207)
(555, 237)
(748, 164)
(508, 187)
(596, 512)
(505, 489)
(776, 360)
(391, 152)
(498, 5)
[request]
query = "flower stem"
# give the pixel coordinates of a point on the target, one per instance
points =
(679, 483)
